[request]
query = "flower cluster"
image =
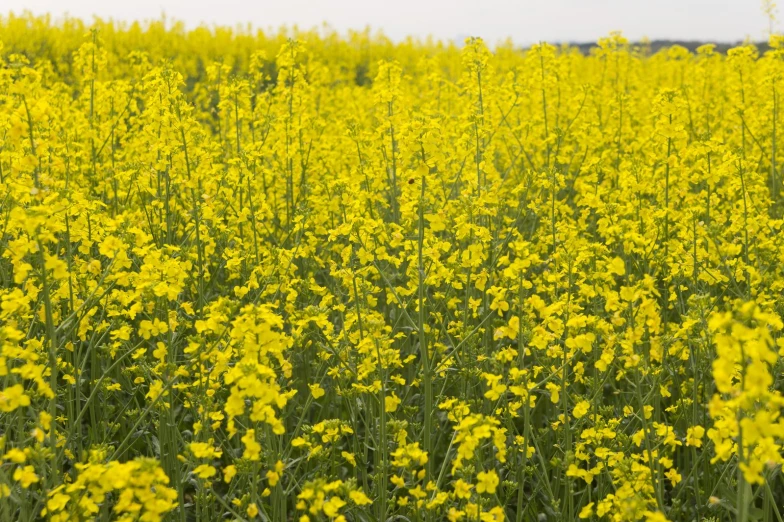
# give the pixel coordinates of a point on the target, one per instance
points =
(303, 275)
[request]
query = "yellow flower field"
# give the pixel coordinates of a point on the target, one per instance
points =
(307, 276)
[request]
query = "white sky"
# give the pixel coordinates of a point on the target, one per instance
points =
(525, 21)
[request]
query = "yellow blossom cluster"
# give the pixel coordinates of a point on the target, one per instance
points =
(300, 275)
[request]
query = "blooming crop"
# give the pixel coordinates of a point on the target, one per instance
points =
(303, 276)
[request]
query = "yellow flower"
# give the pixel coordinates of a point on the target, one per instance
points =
(462, 489)
(349, 457)
(316, 390)
(156, 388)
(15, 455)
(391, 402)
(57, 502)
(110, 246)
(487, 481)
(586, 511)
(694, 436)
(332, 506)
(204, 450)
(12, 398)
(204, 471)
(655, 516)
(617, 266)
(252, 448)
(25, 476)
(555, 392)
(273, 475)
(580, 409)
(455, 515)
(673, 476)
(359, 498)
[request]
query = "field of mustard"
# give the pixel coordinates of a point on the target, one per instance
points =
(306, 277)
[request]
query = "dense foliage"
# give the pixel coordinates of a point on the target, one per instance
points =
(300, 276)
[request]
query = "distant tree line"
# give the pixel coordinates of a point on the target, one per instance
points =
(656, 45)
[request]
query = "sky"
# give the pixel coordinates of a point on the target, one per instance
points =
(525, 21)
